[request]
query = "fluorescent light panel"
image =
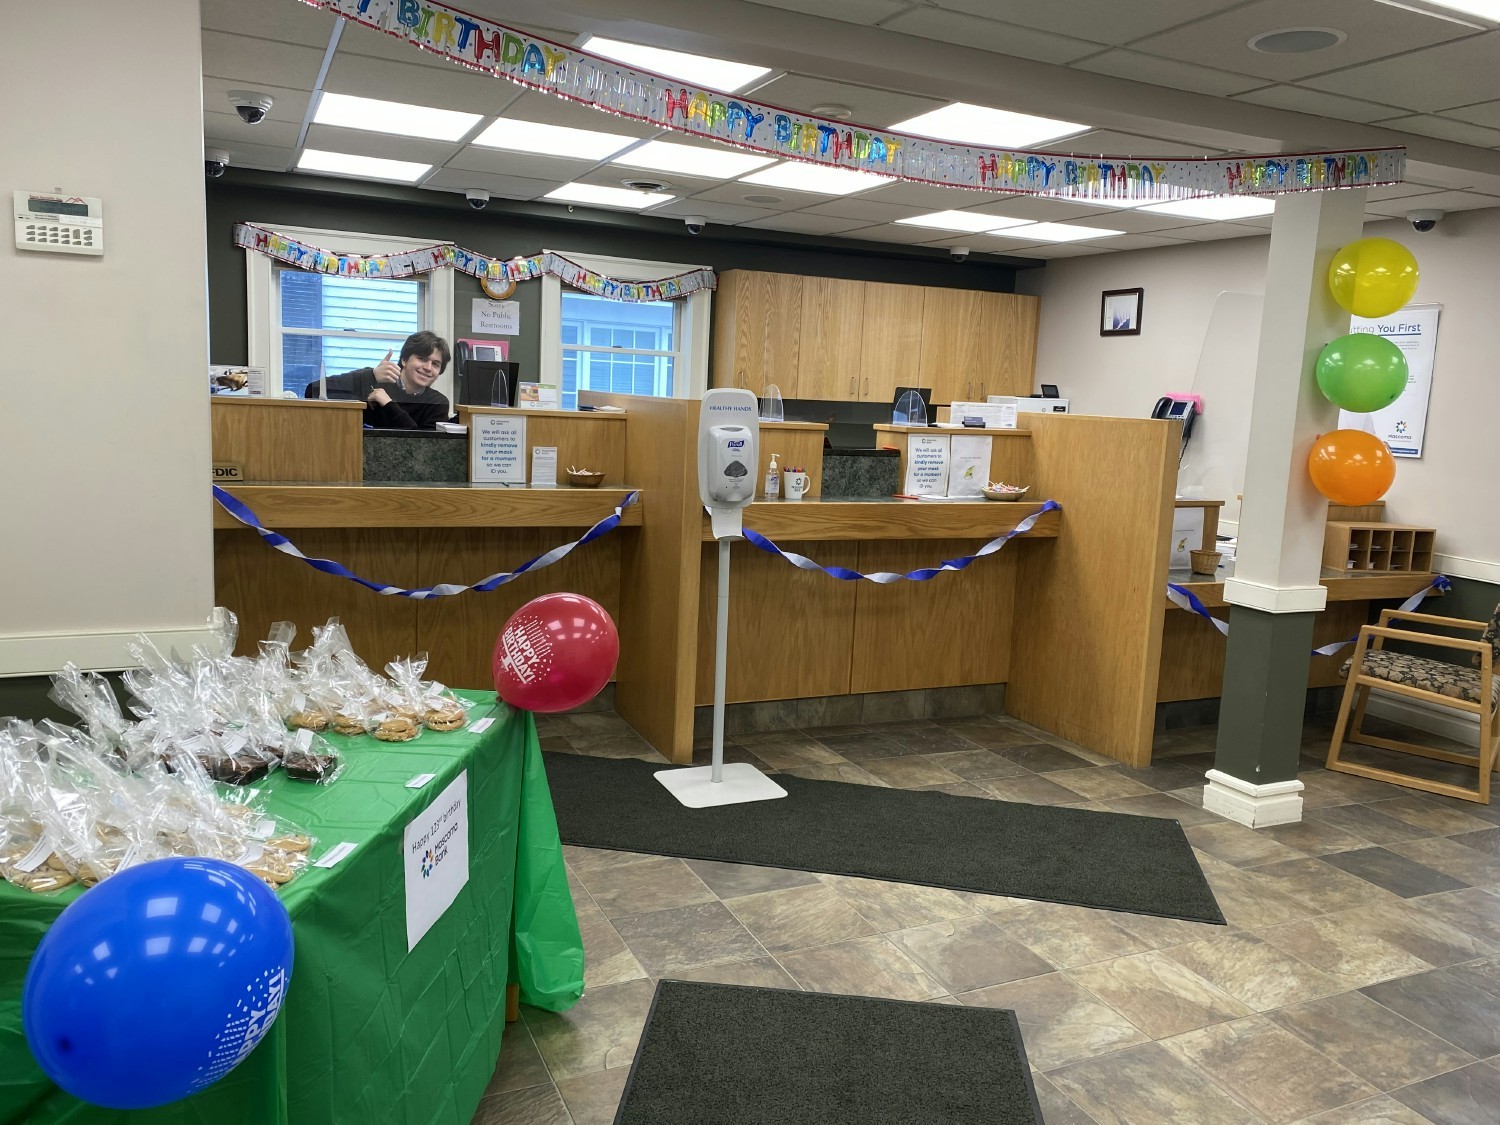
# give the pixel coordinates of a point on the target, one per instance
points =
(608, 196)
(969, 222)
(717, 74)
(1055, 232)
(797, 176)
(685, 160)
(365, 167)
(376, 116)
(1484, 9)
(1215, 208)
(981, 125)
(551, 140)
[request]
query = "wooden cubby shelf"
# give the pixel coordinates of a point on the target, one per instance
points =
(1378, 547)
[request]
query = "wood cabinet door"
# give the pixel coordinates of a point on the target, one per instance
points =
(829, 357)
(953, 344)
(891, 342)
(1007, 341)
(757, 330)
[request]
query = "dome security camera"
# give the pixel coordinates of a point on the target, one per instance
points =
(695, 224)
(215, 160)
(478, 198)
(251, 105)
(958, 253)
(1424, 221)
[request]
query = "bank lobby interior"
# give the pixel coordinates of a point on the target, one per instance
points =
(1358, 976)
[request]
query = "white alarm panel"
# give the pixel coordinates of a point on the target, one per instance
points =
(59, 224)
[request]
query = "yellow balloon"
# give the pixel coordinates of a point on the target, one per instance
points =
(1373, 277)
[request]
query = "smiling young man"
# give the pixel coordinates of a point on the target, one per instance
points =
(401, 397)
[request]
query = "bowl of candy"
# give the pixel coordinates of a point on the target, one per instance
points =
(582, 478)
(999, 490)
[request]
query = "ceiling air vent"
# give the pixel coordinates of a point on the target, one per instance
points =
(646, 185)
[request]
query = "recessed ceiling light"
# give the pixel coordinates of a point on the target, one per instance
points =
(1297, 40)
(717, 74)
(762, 199)
(551, 140)
(608, 196)
(376, 116)
(1484, 9)
(967, 221)
(980, 125)
(685, 160)
(1054, 232)
(365, 167)
(797, 176)
(1217, 208)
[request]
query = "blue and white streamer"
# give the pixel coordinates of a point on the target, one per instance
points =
(241, 511)
(1182, 596)
(885, 577)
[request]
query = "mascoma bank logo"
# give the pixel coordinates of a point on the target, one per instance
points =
(429, 861)
(1401, 427)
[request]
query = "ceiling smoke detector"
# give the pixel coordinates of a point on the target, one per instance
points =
(1297, 40)
(642, 184)
(833, 111)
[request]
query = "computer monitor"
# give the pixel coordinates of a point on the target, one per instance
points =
(1049, 390)
(485, 383)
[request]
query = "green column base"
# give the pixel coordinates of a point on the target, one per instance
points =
(1265, 692)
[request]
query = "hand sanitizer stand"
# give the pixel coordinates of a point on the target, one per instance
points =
(728, 460)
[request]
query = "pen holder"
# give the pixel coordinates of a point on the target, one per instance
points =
(794, 484)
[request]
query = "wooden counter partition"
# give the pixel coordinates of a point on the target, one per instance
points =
(584, 439)
(1087, 637)
(274, 439)
(1011, 456)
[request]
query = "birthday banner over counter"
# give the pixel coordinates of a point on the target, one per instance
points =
(445, 255)
(540, 64)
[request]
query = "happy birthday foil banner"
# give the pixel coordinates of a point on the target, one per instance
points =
(540, 64)
(409, 263)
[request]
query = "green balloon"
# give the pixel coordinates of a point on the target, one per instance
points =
(1361, 372)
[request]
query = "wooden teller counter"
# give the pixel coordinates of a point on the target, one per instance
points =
(1069, 616)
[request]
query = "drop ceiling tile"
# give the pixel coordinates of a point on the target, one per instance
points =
(332, 138)
(1035, 208)
(718, 214)
(1105, 20)
(1481, 113)
(250, 62)
(1372, 31)
(241, 155)
(735, 193)
(285, 23)
(1133, 222)
(610, 175)
(1441, 200)
(504, 187)
(1171, 73)
(909, 236)
(551, 110)
(499, 162)
(371, 44)
(850, 11)
(857, 207)
(278, 134)
(288, 107)
(803, 223)
(1405, 191)
(1208, 232)
(871, 106)
(930, 197)
(1317, 102)
(1060, 250)
(987, 35)
(448, 88)
(1457, 73)
(1123, 242)
(1105, 142)
(1446, 129)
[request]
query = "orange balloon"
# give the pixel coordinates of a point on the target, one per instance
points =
(1351, 467)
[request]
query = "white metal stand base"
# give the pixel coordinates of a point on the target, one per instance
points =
(1254, 806)
(696, 789)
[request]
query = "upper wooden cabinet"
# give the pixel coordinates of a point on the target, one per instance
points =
(826, 338)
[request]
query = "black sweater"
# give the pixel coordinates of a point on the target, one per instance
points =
(406, 411)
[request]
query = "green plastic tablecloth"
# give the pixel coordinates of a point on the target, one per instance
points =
(369, 1032)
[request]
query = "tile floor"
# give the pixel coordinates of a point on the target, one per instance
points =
(1358, 979)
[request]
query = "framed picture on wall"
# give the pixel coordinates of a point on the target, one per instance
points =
(1120, 312)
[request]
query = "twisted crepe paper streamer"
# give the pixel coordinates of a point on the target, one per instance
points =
(1182, 596)
(240, 511)
(885, 577)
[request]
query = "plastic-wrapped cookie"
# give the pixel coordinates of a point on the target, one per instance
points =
(308, 720)
(348, 724)
(446, 718)
(396, 728)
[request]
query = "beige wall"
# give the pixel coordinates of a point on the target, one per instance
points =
(104, 437)
(1455, 486)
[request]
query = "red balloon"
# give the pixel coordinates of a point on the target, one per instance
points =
(555, 653)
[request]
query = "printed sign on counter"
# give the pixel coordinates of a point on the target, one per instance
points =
(926, 464)
(435, 849)
(969, 465)
(497, 318)
(544, 466)
(497, 449)
(538, 396)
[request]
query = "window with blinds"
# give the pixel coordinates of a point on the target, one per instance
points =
(330, 325)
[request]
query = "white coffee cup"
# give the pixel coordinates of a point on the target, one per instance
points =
(794, 484)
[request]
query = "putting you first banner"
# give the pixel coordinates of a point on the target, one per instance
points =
(540, 64)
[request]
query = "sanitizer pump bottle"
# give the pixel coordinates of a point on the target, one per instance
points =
(773, 479)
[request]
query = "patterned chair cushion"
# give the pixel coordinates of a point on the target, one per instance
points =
(1427, 675)
(1492, 635)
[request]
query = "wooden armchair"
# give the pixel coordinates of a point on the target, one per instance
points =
(1475, 692)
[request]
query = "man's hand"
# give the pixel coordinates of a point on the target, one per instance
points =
(386, 371)
(378, 397)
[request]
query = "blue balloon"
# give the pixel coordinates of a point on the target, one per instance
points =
(157, 982)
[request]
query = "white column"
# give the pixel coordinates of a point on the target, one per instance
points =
(105, 462)
(1280, 548)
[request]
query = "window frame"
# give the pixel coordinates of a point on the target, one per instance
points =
(690, 322)
(263, 290)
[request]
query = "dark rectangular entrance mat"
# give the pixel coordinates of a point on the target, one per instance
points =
(1113, 861)
(719, 1054)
